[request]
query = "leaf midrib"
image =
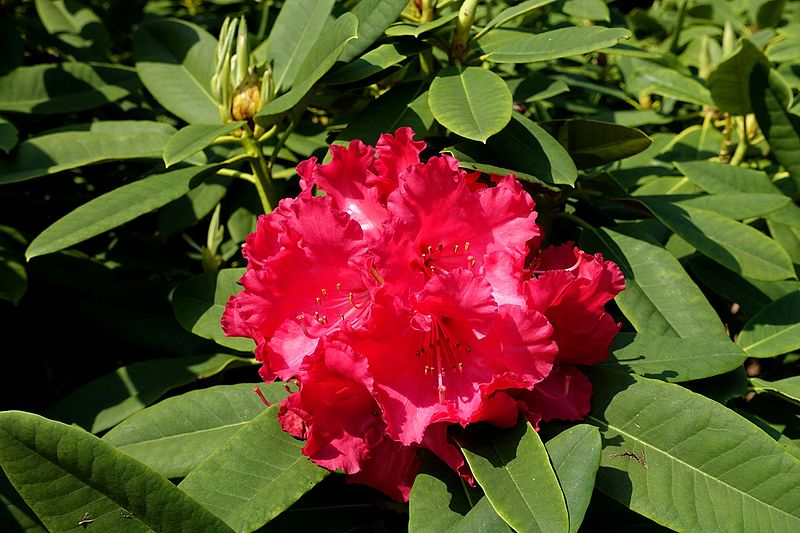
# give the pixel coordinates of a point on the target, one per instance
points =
(177, 435)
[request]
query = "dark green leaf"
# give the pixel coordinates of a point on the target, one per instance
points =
(687, 462)
(591, 143)
(184, 212)
(771, 98)
(735, 205)
(193, 138)
(718, 178)
(64, 87)
(677, 359)
(659, 297)
(319, 60)
(472, 102)
(374, 16)
(15, 515)
(406, 105)
(75, 25)
(404, 29)
(68, 476)
(519, 10)
(575, 454)
(516, 46)
(768, 13)
(774, 330)
(373, 62)
(175, 60)
(535, 89)
(299, 24)
(734, 245)
(788, 387)
(8, 135)
(255, 475)
(174, 436)
(514, 471)
(108, 400)
(671, 83)
(524, 146)
(200, 301)
(105, 141)
(116, 208)
(729, 82)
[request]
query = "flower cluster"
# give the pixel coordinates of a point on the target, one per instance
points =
(412, 297)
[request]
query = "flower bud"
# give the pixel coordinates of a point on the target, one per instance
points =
(246, 99)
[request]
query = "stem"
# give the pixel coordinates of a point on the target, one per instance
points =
(225, 139)
(266, 192)
(280, 144)
(466, 16)
(236, 174)
(741, 148)
(673, 45)
(427, 10)
(576, 219)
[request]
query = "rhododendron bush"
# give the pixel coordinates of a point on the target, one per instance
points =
(399, 265)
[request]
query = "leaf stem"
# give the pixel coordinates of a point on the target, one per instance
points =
(266, 191)
(236, 174)
(741, 148)
(466, 16)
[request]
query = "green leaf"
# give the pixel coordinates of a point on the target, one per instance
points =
(193, 138)
(472, 102)
(514, 471)
(75, 25)
(175, 60)
(671, 83)
(255, 475)
(15, 515)
(510, 13)
(64, 87)
(200, 301)
(177, 434)
(587, 9)
(736, 246)
(768, 13)
(718, 178)
(688, 462)
(8, 135)
(516, 46)
(735, 205)
(406, 105)
(68, 476)
(115, 208)
(299, 24)
(774, 330)
(374, 16)
(659, 297)
(110, 399)
(524, 146)
(441, 502)
(535, 89)
(729, 82)
(13, 276)
(105, 141)
(771, 99)
(404, 29)
(677, 359)
(184, 212)
(373, 62)
(319, 60)
(788, 387)
(591, 143)
(575, 454)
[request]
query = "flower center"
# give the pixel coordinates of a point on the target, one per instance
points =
(441, 351)
(341, 305)
(443, 258)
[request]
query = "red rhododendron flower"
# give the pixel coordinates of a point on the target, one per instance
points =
(402, 303)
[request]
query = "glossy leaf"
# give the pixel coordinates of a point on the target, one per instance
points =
(104, 141)
(373, 62)
(110, 399)
(193, 138)
(200, 301)
(472, 102)
(406, 105)
(374, 16)
(8, 135)
(524, 146)
(175, 60)
(659, 297)
(255, 475)
(729, 82)
(15, 515)
(115, 208)
(787, 387)
(688, 462)
(735, 205)
(774, 330)
(75, 25)
(587, 9)
(519, 10)
(677, 359)
(415, 30)
(441, 502)
(68, 476)
(514, 471)
(591, 143)
(297, 27)
(671, 83)
(177, 434)
(575, 454)
(718, 178)
(734, 245)
(513, 46)
(184, 212)
(771, 98)
(64, 87)
(319, 60)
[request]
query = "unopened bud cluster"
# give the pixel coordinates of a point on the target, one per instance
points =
(239, 91)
